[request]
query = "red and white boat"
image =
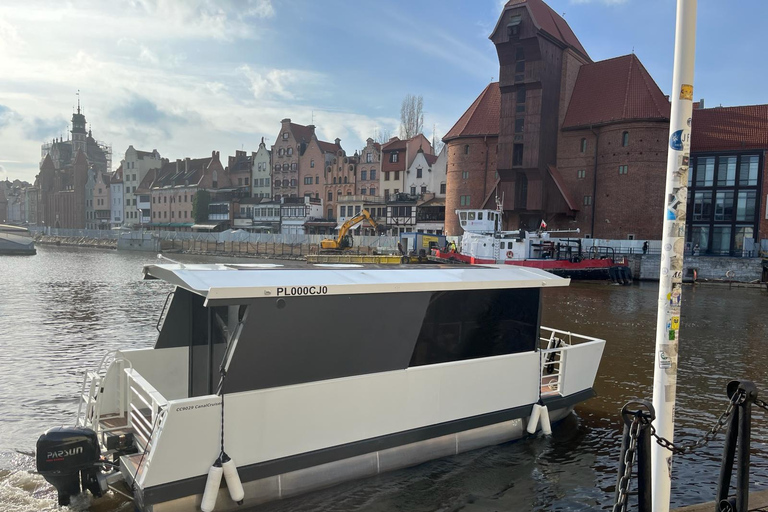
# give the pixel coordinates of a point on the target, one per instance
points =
(484, 242)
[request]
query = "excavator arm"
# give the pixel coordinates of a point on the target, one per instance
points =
(352, 222)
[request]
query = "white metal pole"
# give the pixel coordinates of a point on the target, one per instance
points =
(672, 251)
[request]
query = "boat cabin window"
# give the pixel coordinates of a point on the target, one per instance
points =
(271, 349)
(471, 215)
(502, 245)
(206, 331)
(469, 324)
(463, 215)
(480, 216)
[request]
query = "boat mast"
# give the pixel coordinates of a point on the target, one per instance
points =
(672, 251)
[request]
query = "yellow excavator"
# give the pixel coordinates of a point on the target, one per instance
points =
(344, 240)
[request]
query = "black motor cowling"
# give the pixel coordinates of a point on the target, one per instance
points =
(67, 457)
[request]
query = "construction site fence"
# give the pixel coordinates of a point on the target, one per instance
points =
(375, 242)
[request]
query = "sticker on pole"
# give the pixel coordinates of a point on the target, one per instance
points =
(679, 141)
(664, 361)
(686, 92)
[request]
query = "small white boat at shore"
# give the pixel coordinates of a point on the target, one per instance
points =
(16, 240)
(269, 365)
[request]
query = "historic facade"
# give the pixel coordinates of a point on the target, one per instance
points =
(63, 176)
(290, 145)
(396, 157)
(369, 168)
(583, 145)
(136, 165)
(261, 177)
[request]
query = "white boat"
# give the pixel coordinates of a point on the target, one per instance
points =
(310, 394)
(16, 240)
(484, 242)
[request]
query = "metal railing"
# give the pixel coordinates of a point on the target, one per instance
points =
(144, 406)
(555, 346)
(89, 411)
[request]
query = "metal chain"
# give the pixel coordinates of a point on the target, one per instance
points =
(685, 449)
(629, 462)
(761, 404)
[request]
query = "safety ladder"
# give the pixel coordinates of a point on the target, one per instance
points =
(89, 410)
(552, 362)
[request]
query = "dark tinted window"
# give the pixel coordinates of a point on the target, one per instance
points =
(477, 323)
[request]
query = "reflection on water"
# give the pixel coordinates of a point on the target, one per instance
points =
(61, 310)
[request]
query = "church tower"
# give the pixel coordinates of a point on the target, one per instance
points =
(78, 131)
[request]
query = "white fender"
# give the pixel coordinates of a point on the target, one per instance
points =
(232, 478)
(211, 488)
(533, 420)
(546, 426)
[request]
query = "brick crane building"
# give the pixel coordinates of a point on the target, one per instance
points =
(583, 144)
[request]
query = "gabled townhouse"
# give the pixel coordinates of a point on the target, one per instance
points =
(369, 168)
(240, 168)
(116, 197)
(340, 175)
(396, 157)
(171, 191)
(135, 166)
(290, 145)
(261, 177)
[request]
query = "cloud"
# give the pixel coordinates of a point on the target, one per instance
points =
(43, 129)
(279, 83)
(6, 116)
(141, 111)
(219, 19)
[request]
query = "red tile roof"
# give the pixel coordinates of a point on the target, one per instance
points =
(730, 128)
(328, 147)
(550, 22)
(481, 118)
(618, 89)
(431, 159)
(301, 133)
(394, 143)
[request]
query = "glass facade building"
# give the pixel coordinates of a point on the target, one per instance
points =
(724, 203)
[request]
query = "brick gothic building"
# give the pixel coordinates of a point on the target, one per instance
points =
(64, 174)
(583, 144)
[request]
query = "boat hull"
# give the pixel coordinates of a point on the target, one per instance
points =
(580, 269)
(294, 483)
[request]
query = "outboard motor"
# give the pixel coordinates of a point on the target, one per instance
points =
(67, 457)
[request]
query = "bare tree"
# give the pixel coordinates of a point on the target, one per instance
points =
(411, 116)
(382, 135)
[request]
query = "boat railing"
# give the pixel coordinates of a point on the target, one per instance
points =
(144, 405)
(89, 411)
(558, 349)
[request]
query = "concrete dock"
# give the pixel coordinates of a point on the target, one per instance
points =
(758, 502)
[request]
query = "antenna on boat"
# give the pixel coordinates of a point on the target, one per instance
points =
(500, 209)
(161, 257)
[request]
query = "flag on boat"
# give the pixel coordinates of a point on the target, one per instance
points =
(543, 224)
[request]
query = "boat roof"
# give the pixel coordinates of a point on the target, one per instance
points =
(222, 281)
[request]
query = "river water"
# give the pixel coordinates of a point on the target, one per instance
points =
(62, 309)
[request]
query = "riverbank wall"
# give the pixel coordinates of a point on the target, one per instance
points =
(76, 241)
(645, 267)
(294, 247)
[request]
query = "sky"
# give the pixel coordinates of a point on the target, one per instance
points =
(187, 77)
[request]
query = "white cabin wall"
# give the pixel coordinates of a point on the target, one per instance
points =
(167, 369)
